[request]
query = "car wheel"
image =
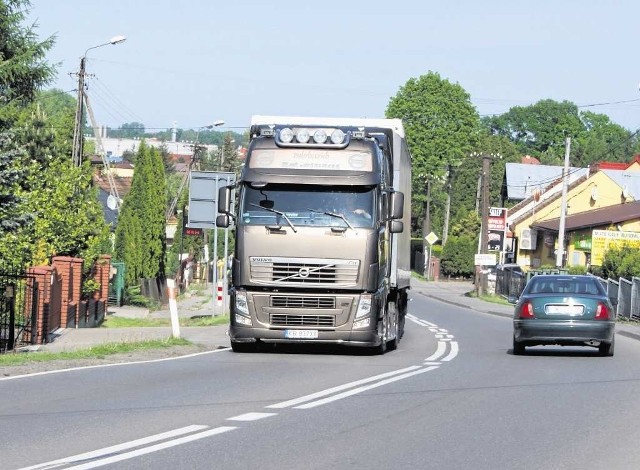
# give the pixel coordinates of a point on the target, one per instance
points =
(518, 347)
(606, 349)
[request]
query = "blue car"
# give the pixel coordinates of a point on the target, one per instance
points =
(564, 310)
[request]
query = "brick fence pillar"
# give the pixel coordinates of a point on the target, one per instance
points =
(71, 271)
(102, 275)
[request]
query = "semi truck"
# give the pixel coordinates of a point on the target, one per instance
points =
(322, 216)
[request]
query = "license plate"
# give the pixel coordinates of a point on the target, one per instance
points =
(301, 334)
(564, 309)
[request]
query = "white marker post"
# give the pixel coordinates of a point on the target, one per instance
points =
(173, 308)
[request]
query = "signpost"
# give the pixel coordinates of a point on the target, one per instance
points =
(431, 239)
(203, 210)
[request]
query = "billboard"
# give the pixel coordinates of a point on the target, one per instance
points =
(496, 228)
(602, 240)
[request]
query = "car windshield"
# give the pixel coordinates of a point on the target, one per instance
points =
(547, 285)
(305, 205)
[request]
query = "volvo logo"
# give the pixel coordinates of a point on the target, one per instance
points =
(303, 273)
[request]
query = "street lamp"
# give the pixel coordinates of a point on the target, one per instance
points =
(77, 130)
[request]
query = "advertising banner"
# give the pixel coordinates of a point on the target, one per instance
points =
(602, 240)
(497, 228)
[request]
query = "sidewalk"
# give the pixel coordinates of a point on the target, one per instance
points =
(198, 305)
(65, 339)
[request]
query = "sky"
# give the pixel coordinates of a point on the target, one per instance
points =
(193, 62)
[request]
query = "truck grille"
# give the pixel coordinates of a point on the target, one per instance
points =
(282, 319)
(304, 271)
(302, 302)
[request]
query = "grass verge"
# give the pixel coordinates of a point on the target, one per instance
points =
(94, 352)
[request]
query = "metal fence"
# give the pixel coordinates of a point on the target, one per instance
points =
(635, 297)
(18, 310)
(510, 284)
(624, 295)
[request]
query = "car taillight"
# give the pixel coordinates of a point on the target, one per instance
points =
(526, 311)
(602, 312)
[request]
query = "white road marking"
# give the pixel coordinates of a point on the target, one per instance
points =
(349, 393)
(419, 321)
(154, 448)
(59, 371)
(117, 448)
(453, 353)
(440, 350)
(251, 416)
(323, 393)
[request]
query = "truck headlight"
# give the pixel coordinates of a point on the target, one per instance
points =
(242, 306)
(364, 306)
(365, 322)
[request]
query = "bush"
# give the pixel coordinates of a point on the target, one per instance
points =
(577, 270)
(458, 256)
(621, 262)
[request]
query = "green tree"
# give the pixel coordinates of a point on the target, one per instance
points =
(541, 129)
(23, 69)
(602, 140)
(441, 126)
(128, 130)
(12, 174)
(142, 219)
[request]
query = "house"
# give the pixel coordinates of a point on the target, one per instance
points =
(591, 198)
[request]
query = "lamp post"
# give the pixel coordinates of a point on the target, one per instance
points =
(77, 130)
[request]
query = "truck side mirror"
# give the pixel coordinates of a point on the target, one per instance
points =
(224, 200)
(396, 226)
(397, 205)
(223, 221)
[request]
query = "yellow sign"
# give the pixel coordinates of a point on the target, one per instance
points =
(431, 238)
(602, 240)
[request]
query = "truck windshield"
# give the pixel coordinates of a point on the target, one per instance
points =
(306, 205)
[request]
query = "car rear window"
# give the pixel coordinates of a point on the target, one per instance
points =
(564, 286)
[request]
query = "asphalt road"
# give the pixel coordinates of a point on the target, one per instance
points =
(452, 396)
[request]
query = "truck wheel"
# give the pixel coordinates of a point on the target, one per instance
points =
(382, 348)
(394, 326)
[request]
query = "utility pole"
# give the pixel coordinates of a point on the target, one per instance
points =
(76, 152)
(447, 207)
(426, 228)
(563, 204)
(77, 128)
(481, 279)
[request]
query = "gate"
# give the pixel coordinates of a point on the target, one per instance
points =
(18, 311)
(116, 284)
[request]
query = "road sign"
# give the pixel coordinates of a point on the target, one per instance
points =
(485, 259)
(431, 238)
